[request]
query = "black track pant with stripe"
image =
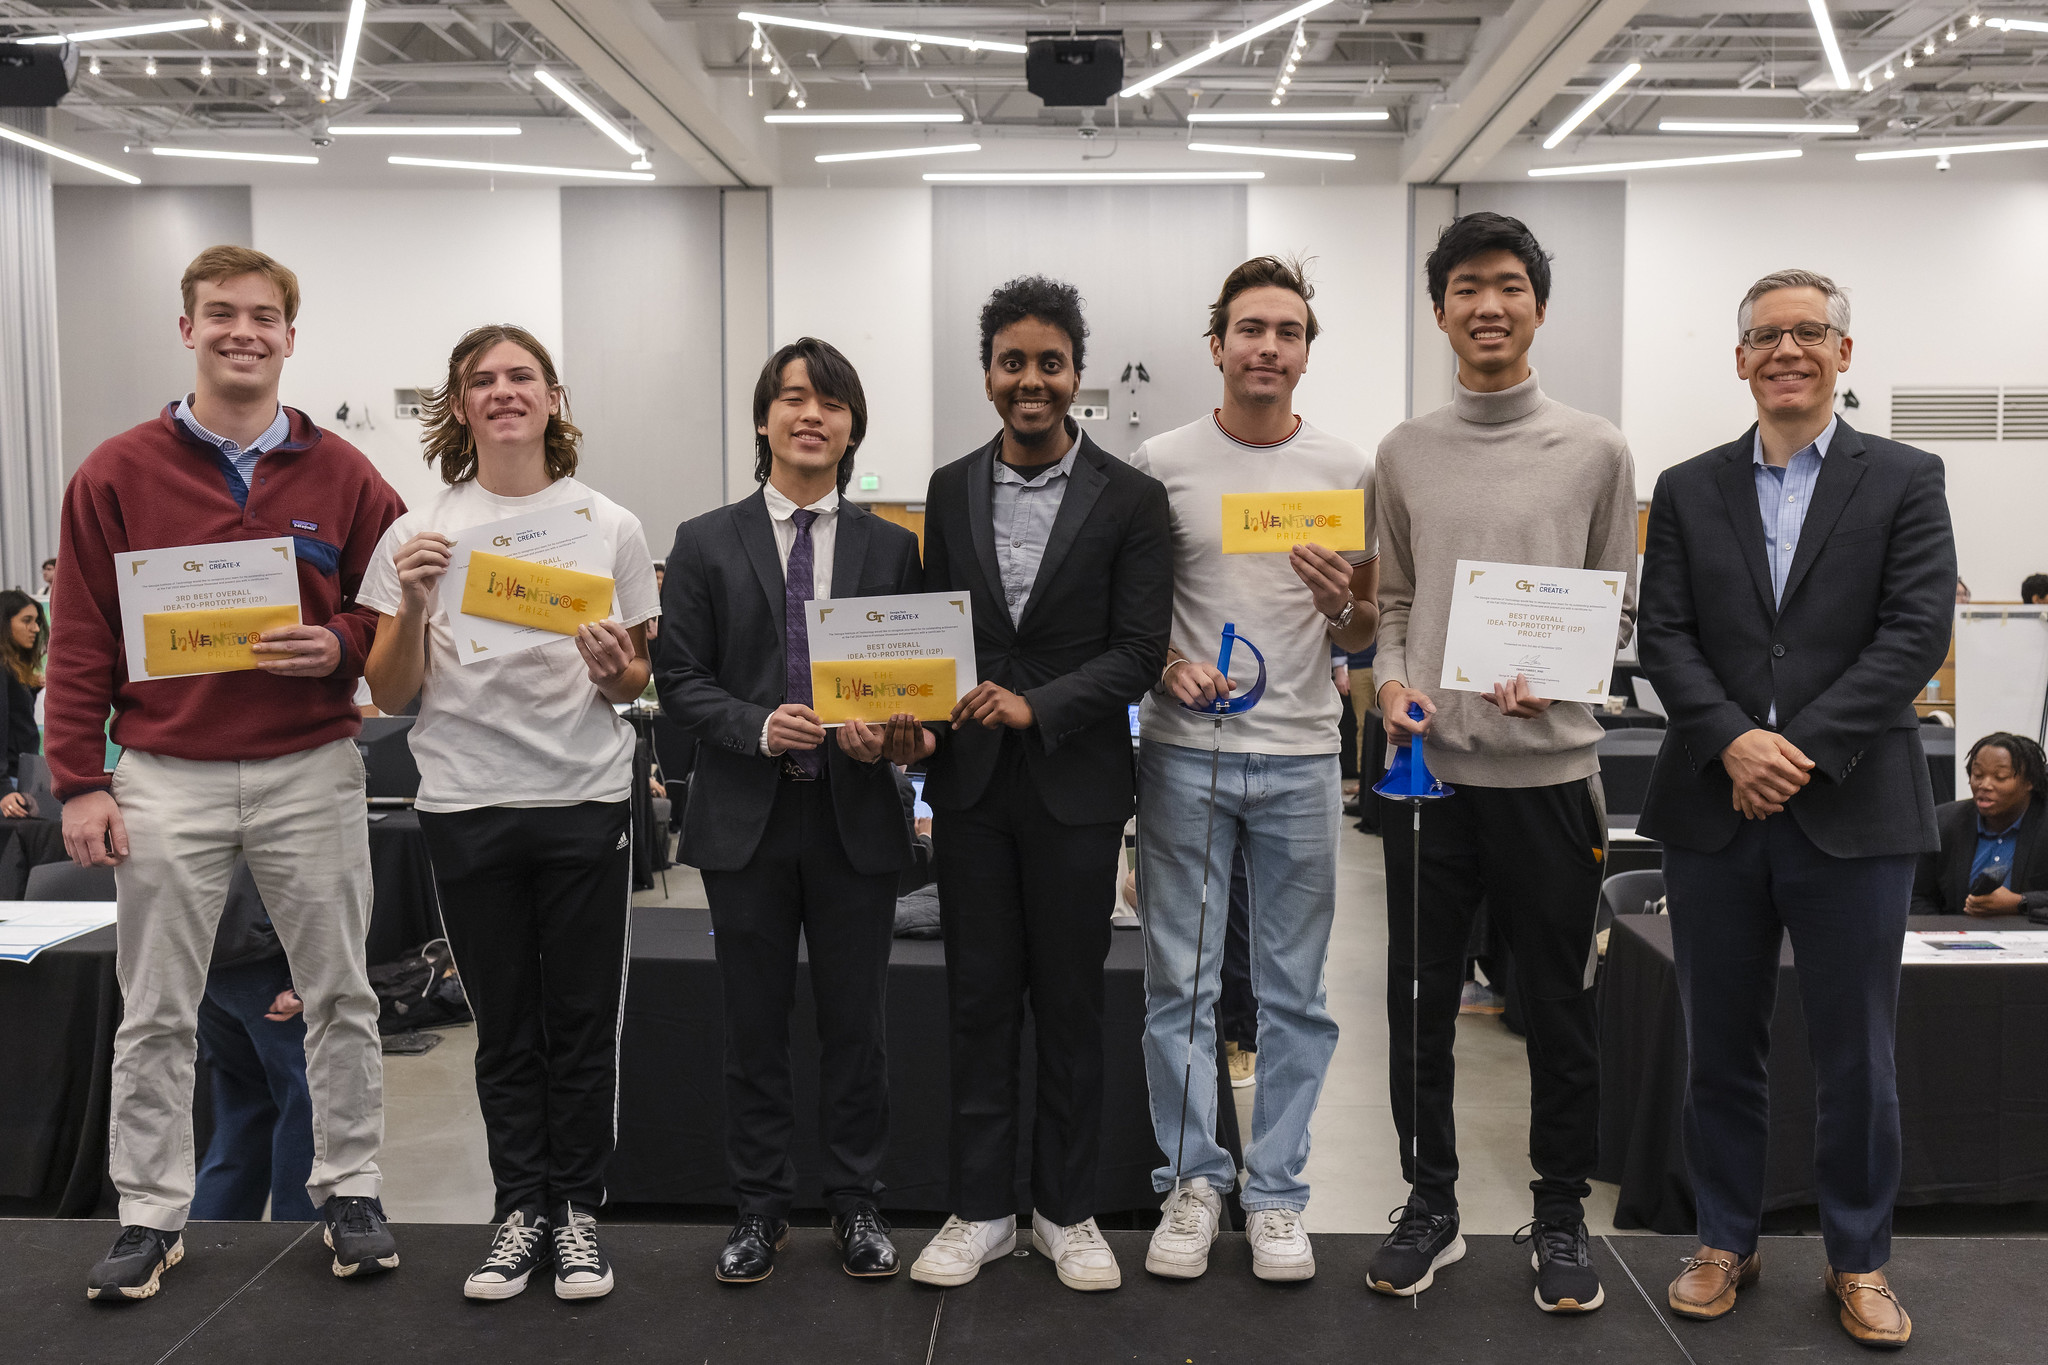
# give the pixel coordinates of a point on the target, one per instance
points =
(535, 901)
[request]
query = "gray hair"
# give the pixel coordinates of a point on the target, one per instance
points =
(1838, 298)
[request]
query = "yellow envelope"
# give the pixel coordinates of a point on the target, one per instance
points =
(1267, 523)
(544, 596)
(175, 643)
(868, 690)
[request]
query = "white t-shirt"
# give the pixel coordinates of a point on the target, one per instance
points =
(530, 729)
(1271, 606)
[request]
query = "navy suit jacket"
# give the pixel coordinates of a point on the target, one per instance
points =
(1865, 621)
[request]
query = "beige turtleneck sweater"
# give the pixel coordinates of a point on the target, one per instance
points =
(1520, 479)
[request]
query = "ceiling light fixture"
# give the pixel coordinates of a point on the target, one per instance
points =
(101, 35)
(208, 154)
(1828, 45)
(93, 67)
(891, 153)
(515, 168)
(1293, 116)
(149, 66)
(65, 154)
(1086, 177)
(351, 41)
(205, 67)
(1220, 46)
(1904, 152)
(241, 34)
(1299, 153)
(856, 31)
(1156, 43)
(1738, 125)
(2018, 25)
(596, 117)
(863, 118)
(1672, 162)
(1593, 102)
(423, 130)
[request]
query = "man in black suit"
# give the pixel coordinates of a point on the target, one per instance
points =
(1797, 593)
(1067, 553)
(795, 829)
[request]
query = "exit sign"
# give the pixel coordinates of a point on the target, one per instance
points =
(870, 483)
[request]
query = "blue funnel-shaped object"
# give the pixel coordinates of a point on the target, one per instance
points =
(1408, 776)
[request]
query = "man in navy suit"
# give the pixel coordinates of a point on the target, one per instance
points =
(1797, 595)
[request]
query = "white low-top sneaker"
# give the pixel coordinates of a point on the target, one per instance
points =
(1078, 1252)
(962, 1248)
(1180, 1244)
(1280, 1249)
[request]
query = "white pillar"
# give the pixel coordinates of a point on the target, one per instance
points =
(31, 462)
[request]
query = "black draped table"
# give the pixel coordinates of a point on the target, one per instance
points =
(1972, 1066)
(671, 1101)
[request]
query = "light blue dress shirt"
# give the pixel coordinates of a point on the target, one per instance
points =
(1024, 511)
(1783, 496)
(243, 458)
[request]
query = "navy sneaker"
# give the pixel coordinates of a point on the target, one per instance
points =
(135, 1264)
(1421, 1244)
(360, 1238)
(519, 1248)
(582, 1271)
(1565, 1279)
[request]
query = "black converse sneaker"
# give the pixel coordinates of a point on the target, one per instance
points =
(1565, 1279)
(361, 1240)
(581, 1270)
(1420, 1244)
(519, 1248)
(134, 1264)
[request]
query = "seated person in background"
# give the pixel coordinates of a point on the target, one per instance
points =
(34, 835)
(1993, 858)
(2034, 589)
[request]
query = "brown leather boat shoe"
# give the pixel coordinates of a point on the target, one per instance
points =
(1871, 1314)
(1706, 1288)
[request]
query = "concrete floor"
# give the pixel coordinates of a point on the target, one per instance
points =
(435, 1169)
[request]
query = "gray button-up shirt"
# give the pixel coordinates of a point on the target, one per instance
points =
(1024, 513)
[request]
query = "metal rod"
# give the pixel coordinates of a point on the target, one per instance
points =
(1187, 1077)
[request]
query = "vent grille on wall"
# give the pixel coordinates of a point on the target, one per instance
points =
(1969, 414)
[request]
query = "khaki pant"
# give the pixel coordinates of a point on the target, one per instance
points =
(300, 822)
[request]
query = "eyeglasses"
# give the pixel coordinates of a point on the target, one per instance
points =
(1807, 334)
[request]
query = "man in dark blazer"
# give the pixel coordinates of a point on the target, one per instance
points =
(1797, 593)
(1067, 553)
(1998, 835)
(795, 829)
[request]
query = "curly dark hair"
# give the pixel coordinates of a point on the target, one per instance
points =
(1475, 234)
(1034, 296)
(1278, 272)
(448, 440)
(832, 376)
(2027, 759)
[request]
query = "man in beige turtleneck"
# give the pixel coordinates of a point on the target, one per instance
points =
(1502, 474)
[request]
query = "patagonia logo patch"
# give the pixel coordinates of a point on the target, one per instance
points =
(298, 525)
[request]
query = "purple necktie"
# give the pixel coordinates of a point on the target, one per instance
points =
(797, 588)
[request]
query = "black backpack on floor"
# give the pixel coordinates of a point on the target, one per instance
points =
(419, 990)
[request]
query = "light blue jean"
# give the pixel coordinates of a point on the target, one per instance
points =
(1283, 811)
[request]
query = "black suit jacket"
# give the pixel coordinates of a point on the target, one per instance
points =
(1942, 883)
(719, 669)
(1864, 624)
(1092, 638)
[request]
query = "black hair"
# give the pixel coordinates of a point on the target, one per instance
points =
(1034, 296)
(1475, 234)
(2033, 585)
(2027, 759)
(832, 376)
(49, 564)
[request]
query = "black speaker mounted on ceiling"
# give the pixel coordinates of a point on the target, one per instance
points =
(1075, 69)
(36, 77)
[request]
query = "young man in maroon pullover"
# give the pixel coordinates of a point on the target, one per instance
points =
(260, 764)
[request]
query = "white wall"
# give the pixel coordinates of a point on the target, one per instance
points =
(1946, 279)
(390, 279)
(853, 267)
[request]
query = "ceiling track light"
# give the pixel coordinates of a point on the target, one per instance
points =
(590, 112)
(101, 35)
(1825, 26)
(1614, 166)
(241, 34)
(15, 135)
(208, 154)
(1906, 153)
(149, 66)
(893, 153)
(854, 30)
(1592, 103)
(1298, 153)
(93, 67)
(1222, 45)
(494, 167)
(351, 45)
(1156, 43)
(205, 67)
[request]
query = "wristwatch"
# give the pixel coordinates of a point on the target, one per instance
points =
(1343, 618)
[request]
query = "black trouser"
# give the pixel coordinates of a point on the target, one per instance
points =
(1237, 1007)
(1025, 904)
(799, 881)
(1531, 854)
(535, 901)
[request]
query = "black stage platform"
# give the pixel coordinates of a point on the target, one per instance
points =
(261, 1292)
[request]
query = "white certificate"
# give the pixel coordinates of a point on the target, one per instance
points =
(565, 536)
(28, 927)
(1966, 946)
(895, 629)
(1556, 627)
(193, 609)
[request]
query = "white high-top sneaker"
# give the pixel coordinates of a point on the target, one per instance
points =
(962, 1248)
(1180, 1244)
(1078, 1252)
(1280, 1249)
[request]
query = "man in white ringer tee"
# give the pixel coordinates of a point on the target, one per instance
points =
(1276, 780)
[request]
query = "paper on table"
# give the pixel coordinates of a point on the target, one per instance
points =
(1273, 523)
(28, 927)
(564, 537)
(1976, 945)
(1555, 627)
(192, 609)
(859, 635)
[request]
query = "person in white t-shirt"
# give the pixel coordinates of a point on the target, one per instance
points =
(525, 777)
(1274, 771)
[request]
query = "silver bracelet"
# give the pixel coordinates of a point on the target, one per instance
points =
(1168, 671)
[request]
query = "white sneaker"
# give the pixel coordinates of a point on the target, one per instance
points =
(1180, 1244)
(1280, 1249)
(962, 1248)
(1079, 1253)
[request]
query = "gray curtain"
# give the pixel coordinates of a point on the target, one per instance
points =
(31, 463)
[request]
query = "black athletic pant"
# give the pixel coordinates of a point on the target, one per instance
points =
(1025, 902)
(535, 901)
(1237, 1007)
(800, 882)
(1531, 854)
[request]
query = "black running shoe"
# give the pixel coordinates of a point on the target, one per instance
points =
(519, 1249)
(135, 1263)
(361, 1240)
(581, 1270)
(1409, 1257)
(1565, 1279)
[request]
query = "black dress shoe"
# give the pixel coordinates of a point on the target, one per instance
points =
(749, 1253)
(864, 1246)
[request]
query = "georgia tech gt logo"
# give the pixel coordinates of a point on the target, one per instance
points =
(501, 540)
(193, 566)
(877, 617)
(1525, 585)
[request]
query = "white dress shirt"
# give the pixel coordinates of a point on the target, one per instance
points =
(824, 539)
